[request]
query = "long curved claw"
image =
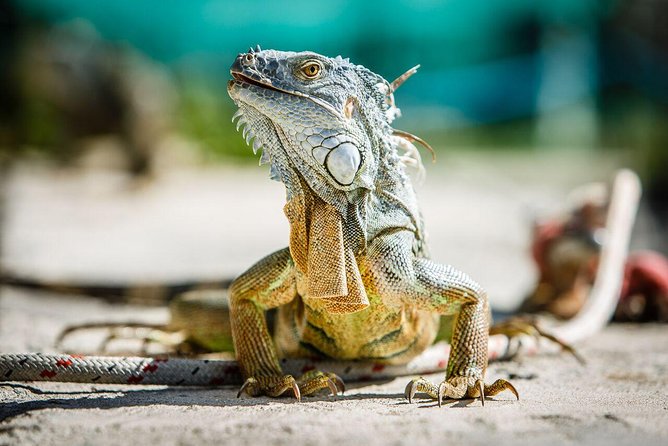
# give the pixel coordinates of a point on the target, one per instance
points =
(481, 388)
(499, 386)
(296, 391)
(411, 389)
(340, 385)
(332, 387)
(245, 385)
(441, 393)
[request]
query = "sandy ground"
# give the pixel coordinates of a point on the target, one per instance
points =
(214, 223)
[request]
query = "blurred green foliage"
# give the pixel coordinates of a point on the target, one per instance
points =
(204, 115)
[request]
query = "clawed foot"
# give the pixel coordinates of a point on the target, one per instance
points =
(528, 325)
(458, 387)
(168, 340)
(307, 384)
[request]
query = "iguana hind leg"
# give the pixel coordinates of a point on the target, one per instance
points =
(198, 324)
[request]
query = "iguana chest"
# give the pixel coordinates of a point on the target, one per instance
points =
(389, 335)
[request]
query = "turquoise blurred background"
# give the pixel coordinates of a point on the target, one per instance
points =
(497, 75)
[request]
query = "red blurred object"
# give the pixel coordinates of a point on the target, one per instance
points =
(644, 295)
(566, 253)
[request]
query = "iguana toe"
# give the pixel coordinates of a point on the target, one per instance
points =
(315, 380)
(420, 385)
(499, 386)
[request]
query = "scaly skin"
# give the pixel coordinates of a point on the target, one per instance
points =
(356, 282)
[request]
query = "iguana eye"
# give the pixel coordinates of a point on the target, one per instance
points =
(311, 69)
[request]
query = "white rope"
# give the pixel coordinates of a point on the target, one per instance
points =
(604, 295)
(203, 372)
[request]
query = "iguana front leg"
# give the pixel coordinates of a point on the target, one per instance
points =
(267, 284)
(426, 285)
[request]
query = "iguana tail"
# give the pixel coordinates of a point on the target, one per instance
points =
(137, 293)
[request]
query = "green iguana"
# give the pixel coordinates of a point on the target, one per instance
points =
(355, 292)
(356, 282)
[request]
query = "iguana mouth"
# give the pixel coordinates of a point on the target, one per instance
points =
(241, 78)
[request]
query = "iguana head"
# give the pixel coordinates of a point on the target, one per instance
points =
(325, 117)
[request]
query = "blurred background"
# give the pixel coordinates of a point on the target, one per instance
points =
(140, 86)
(565, 74)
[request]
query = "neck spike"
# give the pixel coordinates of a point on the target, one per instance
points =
(403, 78)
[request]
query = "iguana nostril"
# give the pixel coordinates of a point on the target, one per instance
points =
(249, 58)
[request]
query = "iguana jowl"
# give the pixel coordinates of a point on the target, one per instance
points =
(356, 281)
